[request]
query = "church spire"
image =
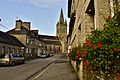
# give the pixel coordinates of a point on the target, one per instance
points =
(61, 17)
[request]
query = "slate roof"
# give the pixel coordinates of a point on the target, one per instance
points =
(49, 37)
(22, 31)
(50, 40)
(8, 39)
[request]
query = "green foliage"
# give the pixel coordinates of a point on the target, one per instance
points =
(103, 51)
(73, 54)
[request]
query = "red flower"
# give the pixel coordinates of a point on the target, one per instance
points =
(85, 52)
(85, 63)
(118, 77)
(94, 47)
(87, 42)
(99, 45)
(89, 70)
(78, 55)
(77, 52)
(89, 45)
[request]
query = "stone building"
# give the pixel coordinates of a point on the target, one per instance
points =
(9, 44)
(61, 32)
(57, 44)
(53, 44)
(86, 16)
(28, 37)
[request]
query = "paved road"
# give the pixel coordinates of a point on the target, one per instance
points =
(52, 68)
(24, 71)
(60, 69)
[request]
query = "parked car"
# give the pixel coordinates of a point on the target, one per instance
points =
(11, 59)
(51, 54)
(44, 55)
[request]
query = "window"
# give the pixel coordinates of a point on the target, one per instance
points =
(59, 48)
(36, 42)
(31, 42)
(30, 50)
(45, 47)
(79, 27)
(26, 50)
(3, 50)
(27, 40)
(13, 50)
(50, 48)
(18, 51)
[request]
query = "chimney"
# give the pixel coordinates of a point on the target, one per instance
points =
(35, 31)
(18, 25)
(26, 25)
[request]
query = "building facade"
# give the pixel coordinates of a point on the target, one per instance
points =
(53, 44)
(28, 37)
(61, 32)
(87, 16)
(9, 44)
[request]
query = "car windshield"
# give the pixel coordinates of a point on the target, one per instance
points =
(15, 55)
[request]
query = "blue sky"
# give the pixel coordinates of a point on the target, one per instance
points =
(43, 14)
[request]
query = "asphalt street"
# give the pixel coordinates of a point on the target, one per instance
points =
(52, 68)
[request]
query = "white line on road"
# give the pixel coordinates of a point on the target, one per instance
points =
(43, 71)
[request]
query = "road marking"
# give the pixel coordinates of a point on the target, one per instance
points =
(43, 71)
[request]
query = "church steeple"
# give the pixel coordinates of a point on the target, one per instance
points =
(61, 31)
(61, 17)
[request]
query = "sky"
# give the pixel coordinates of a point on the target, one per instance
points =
(43, 14)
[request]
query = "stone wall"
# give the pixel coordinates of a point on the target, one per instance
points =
(89, 15)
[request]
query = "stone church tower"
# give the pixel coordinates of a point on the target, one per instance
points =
(61, 32)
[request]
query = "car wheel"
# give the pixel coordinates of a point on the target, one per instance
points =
(13, 63)
(23, 62)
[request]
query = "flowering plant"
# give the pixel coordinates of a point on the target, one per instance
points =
(75, 54)
(101, 53)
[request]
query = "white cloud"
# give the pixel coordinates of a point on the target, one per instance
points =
(46, 3)
(42, 3)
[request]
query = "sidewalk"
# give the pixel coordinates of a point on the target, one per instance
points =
(58, 71)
